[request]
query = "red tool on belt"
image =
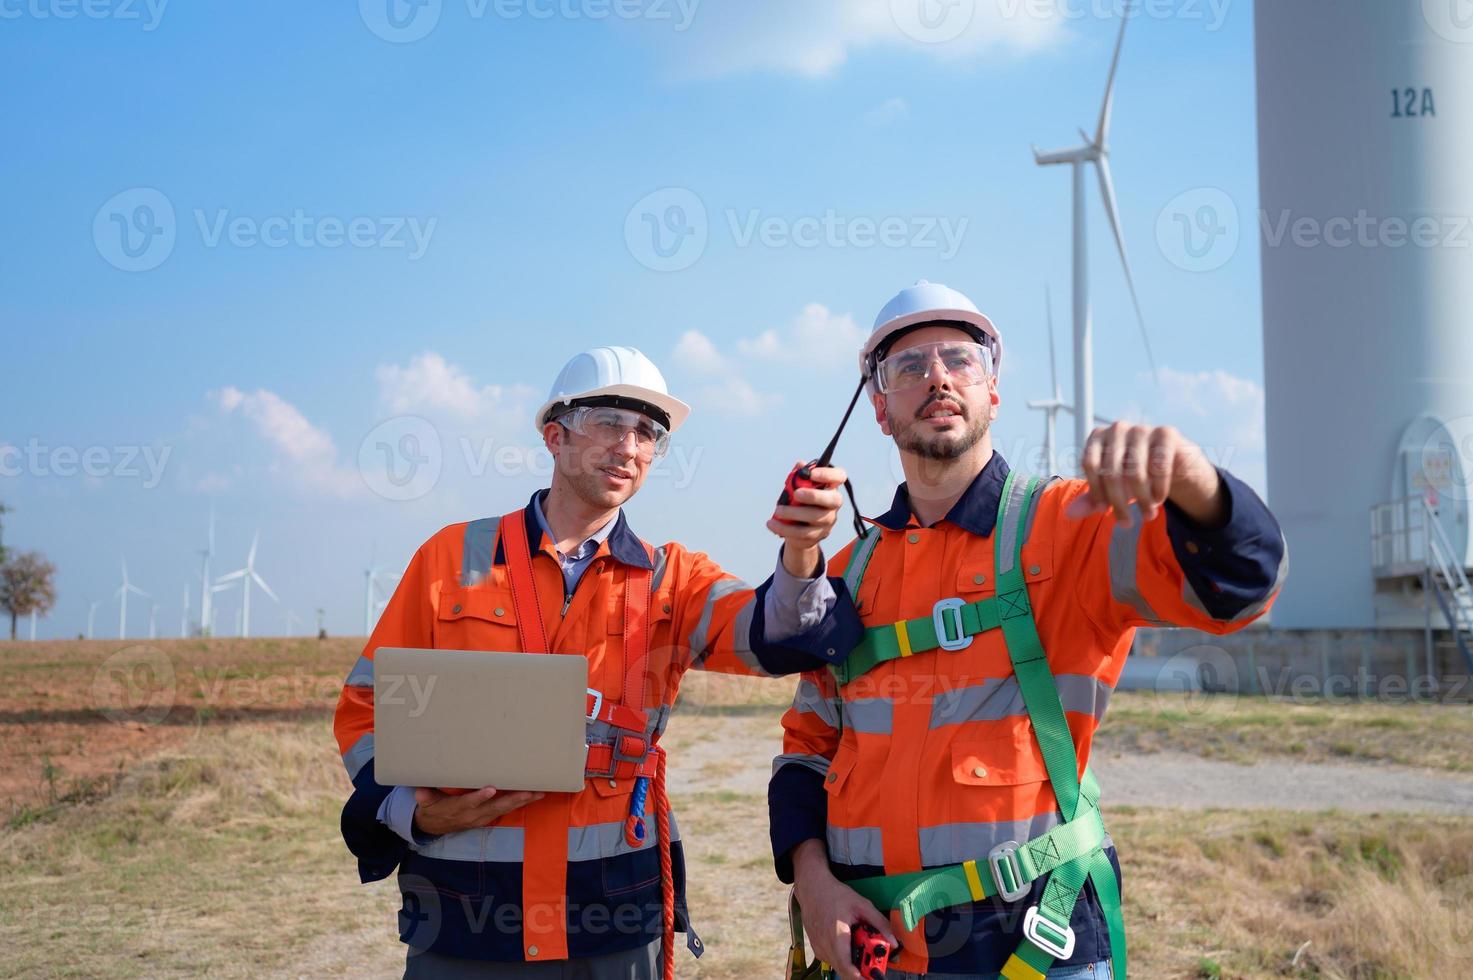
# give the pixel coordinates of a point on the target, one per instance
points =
(802, 474)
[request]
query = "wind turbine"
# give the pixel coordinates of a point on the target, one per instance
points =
(207, 587)
(1054, 404)
(153, 621)
(91, 613)
(33, 626)
(246, 576)
(184, 616)
(122, 597)
(1095, 151)
(375, 578)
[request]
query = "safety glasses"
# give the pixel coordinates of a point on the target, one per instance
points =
(964, 362)
(611, 426)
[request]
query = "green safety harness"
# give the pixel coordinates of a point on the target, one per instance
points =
(1073, 850)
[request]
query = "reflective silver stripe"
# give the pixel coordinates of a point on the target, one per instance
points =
(358, 755)
(659, 575)
(809, 699)
(1189, 594)
(953, 843)
(592, 843)
(856, 845)
(1008, 542)
(476, 551)
(362, 673)
(478, 844)
(1124, 549)
(1000, 697)
(741, 638)
(699, 635)
(859, 560)
(606, 840)
(870, 716)
(1033, 505)
(817, 763)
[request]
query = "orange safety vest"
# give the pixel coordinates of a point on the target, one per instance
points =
(560, 877)
(930, 759)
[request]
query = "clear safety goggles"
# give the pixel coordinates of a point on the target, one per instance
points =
(965, 362)
(609, 427)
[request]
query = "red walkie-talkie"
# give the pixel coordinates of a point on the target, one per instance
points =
(802, 474)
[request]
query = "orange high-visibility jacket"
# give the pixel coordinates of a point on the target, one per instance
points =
(557, 878)
(930, 760)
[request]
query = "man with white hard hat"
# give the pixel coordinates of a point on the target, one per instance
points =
(571, 885)
(935, 786)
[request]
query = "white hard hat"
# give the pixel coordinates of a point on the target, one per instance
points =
(923, 303)
(615, 375)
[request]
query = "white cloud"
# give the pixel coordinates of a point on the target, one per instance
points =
(432, 385)
(887, 112)
(814, 40)
(302, 452)
(737, 398)
(815, 336)
(1234, 403)
(695, 352)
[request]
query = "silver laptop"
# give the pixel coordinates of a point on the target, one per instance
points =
(472, 718)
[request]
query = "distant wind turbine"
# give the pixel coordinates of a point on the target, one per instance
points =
(122, 596)
(91, 614)
(1095, 151)
(246, 576)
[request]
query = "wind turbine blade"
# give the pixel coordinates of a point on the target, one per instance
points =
(139, 592)
(238, 573)
(1102, 132)
(264, 587)
(251, 557)
(1107, 191)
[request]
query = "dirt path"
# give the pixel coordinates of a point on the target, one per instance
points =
(717, 752)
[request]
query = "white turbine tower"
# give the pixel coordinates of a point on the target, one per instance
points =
(207, 586)
(33, 626)
(246, 576)
(1054, 404)
(91, 615)
(184, 616)
(153, 621)
(375, 580)
(1095, 151)
(122, 596)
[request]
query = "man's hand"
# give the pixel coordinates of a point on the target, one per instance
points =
(442, 813)
(814, 511)
(1125, 463)
(830, 908)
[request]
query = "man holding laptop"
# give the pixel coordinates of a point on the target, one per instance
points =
(501, 881)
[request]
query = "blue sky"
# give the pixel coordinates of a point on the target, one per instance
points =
(339, 237)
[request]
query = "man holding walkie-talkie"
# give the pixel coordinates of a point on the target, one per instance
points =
(935, 786)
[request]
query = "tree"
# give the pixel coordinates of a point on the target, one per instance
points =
(27, 584)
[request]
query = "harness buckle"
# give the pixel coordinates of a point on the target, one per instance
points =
(1057, 942)
(941, 620)
(1007, 874)
(598, 704)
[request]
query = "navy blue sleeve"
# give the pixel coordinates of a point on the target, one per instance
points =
(1233, 569)
(797, 810)
(829, 642)
(377, 848)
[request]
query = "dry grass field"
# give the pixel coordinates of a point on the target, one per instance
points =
(170, 809)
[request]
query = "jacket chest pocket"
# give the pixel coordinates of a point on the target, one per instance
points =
(476, 619)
